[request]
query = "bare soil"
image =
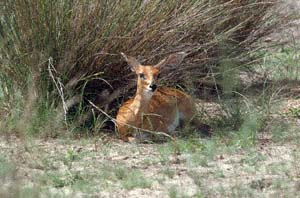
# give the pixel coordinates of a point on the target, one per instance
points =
(103, 167)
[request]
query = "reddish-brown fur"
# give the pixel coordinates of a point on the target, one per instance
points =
(153, 110)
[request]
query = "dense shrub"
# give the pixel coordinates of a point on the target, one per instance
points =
(69, 50)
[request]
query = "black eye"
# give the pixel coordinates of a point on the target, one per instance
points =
(142, 76)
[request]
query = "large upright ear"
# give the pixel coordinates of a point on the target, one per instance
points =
(132, 62)
(173, 59)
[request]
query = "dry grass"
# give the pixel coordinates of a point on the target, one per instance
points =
(84, 40)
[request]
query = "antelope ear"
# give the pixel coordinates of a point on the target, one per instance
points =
(173, 59)
(132, 62)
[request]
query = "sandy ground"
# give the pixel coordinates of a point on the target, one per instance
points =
(268, 169)
(196, 167)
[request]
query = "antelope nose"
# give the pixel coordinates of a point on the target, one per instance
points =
(153, 87)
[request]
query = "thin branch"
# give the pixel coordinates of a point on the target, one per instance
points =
(59, 86)
(134, 127)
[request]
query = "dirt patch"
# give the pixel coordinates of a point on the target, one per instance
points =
(83, 168)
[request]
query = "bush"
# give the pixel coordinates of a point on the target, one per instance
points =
(54, 51)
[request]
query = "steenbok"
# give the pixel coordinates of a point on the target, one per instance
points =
(155, 109)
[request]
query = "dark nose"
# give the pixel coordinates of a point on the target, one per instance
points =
(153, 87)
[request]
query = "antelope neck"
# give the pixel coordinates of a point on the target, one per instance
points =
(141, 101)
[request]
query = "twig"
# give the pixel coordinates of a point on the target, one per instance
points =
(59, 86)
(134, 127)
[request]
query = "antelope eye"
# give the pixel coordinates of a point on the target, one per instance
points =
(142, 76)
